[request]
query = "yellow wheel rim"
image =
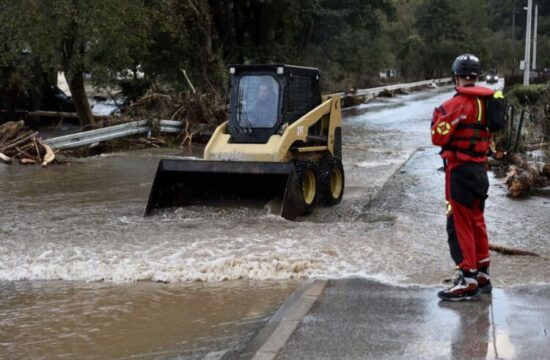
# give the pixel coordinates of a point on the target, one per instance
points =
(308, 187)
(336, 183)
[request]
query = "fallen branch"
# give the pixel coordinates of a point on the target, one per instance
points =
(21, 151)
(53, 114)
(5, 158)
(188, 81)
(37, 149)
(50, 155)
(26, 161)
(18, 141)
(510, 251)
(177, 111)
(150, 143)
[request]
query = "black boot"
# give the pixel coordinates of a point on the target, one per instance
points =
(483, 280)
(464, 287)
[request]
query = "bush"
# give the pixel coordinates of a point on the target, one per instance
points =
(525, 95)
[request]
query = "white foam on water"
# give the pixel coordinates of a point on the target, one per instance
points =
(368, 164)
(217, 246)
(175, 251)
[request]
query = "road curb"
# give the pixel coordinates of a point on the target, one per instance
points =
(273, 336)
(382, 188)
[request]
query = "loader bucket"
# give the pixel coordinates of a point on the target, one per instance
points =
(180, 183)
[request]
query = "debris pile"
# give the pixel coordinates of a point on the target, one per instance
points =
(523, 175)
(197, 112)
(19, 143)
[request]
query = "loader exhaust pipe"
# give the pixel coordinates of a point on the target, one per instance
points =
(181, 183)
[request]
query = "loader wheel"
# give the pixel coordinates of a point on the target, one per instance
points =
(331, 180)
(305, 172)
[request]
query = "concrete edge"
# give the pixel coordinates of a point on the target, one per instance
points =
(400, 166)
(273, 336)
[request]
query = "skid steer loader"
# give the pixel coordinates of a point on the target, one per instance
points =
(282, 139)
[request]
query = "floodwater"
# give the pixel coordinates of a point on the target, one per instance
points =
(143, 320)
(84, 275)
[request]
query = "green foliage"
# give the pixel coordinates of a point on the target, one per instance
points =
(350, 40)
(525, 95)
(76, 36)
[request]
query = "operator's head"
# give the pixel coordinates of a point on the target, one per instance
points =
(466, 69)
(265, 90)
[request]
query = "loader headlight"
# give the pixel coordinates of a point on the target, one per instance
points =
(280, 70)
(232, 70)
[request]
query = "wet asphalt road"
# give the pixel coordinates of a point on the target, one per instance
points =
(361, 319)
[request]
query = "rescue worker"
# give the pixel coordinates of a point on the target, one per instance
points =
(459, 126)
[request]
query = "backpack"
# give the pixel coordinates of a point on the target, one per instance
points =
(495, 109)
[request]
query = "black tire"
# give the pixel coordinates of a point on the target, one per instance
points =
(307, 180)
(331, 180)
(338, 142)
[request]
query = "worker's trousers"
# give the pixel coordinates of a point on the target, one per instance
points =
(466, 187)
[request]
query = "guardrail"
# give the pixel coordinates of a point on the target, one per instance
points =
(110, 133)
(174, 126)
(378, 90)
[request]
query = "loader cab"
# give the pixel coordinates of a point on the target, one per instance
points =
(264, 97)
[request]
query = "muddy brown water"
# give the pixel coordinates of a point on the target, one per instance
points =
(84, 275)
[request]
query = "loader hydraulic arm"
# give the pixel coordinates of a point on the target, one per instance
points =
(298, 131)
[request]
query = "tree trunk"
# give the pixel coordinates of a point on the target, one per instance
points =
(80, 99)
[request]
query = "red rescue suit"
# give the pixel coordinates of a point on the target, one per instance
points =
(459, 127)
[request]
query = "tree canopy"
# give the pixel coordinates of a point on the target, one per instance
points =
(351, 41)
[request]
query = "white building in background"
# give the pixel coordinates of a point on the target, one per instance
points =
(389, 73)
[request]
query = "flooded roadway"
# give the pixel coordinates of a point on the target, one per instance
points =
(82, 274)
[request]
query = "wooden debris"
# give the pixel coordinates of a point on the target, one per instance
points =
(10, 130)
(26, 161)
(5, 158)
(188, 81)
(57, 114)
(523, 175)
(510, 251)
(17, 142)
(149, 142)
(50, 155)
(199, 112)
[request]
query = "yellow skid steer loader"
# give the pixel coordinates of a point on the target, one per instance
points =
(281, 140)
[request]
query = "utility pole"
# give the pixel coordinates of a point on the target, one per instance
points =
(527, 63)
(535, 39)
